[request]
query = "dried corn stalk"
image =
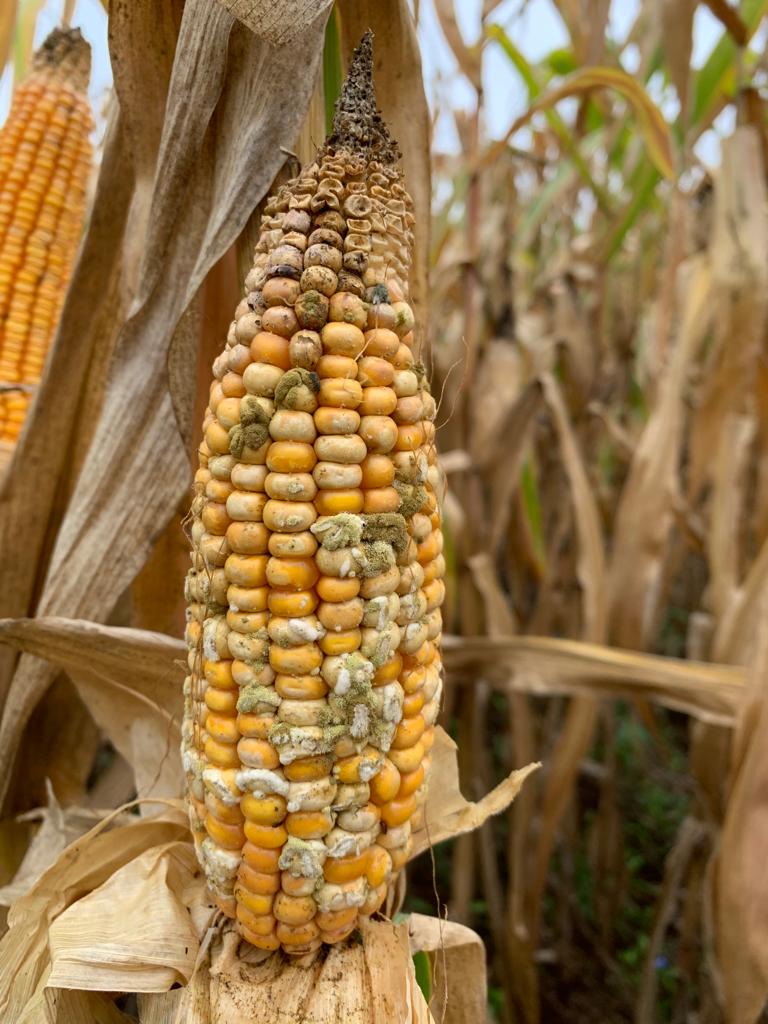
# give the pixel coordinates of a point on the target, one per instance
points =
(315, 592)
(45, 157)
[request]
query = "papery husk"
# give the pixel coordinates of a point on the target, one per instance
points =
(125, 910)
(369, 980)
(457, 967)
(84, 866)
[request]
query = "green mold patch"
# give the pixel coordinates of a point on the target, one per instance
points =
(386, 526)
(343, 530)
(374, 558)
(291, 390)
(412, 498)
(253, 429)
(252, 695)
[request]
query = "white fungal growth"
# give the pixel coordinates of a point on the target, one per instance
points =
(368, 769)
(311, 796)
(215, 780)
(305, 630)
(210, 647)
(352, 794)
(361, 722)
(192, 762)
(336, 897)
(260, 782)
(343, 682)
(220, 866)
(303, 858)
(391, 697)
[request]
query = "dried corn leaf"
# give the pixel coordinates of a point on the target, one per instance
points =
(85, 865)
(138, 706)
(578, 729)
(548, 666)
(739, 879)
(58, 828)
(142, 42)
(677, 39)
(211, 172)
(543, 665)
(457, 960)
(277, 21)
(503, 373)
(467, 57)
(447, 814)
(739, 259)
(654, 128)
(134, 933)
(645, 510)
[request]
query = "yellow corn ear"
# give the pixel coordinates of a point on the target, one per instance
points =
(316, 583)
(45, 158)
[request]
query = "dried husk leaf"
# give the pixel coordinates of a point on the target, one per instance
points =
(447, 814)
(277, 21)
(85, 865)
(60, 1006)
(58, 828)
(365, 982)
(135, 932)
(457, 960)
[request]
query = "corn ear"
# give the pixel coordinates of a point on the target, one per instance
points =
(45, 158)
(314, 596)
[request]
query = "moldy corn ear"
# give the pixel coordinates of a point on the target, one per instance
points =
(45, 158)
(316, 582)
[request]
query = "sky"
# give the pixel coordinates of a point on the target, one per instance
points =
(533, 24)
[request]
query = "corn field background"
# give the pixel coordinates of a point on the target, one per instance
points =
(592, 268)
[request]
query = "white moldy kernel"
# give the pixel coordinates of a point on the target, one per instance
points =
(215, 632)
(220, 865)
(381, 610)
(312, 796)
(340, 843)
(336, 897)
(301, 741)
(393, 838)
(260, 782)
(222, 783)
(391, 697)
(358, 819)
(303, 858)
(354, 794)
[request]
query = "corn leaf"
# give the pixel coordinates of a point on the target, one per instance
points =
(654, 128)
(332, 67)
(710, 81)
